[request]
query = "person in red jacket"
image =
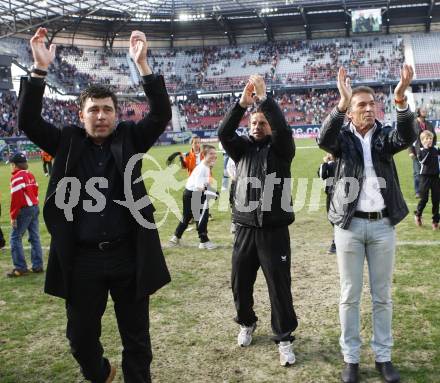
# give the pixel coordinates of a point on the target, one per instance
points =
(24, 217)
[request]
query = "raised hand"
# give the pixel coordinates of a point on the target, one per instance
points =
(259, 86)
(43, 57)
(247, 97)
(406, 76)
(345, 91)
(138, 46)
(138, 52)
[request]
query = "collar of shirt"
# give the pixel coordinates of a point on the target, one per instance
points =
(367, 136)
(106, 143)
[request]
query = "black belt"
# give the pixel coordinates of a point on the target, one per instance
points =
(105, 245)
(374, 215)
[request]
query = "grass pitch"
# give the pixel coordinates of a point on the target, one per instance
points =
(193, 334)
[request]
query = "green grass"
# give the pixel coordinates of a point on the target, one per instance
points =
(193, 334)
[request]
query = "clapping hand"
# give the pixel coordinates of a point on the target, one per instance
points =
(345, 91)
(138, 52)
(138, 46)
(42, 56)
(406, 76)
(254, 90)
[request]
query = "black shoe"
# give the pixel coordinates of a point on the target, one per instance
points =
(350, 374)
(388, 372)
(37, 270)
(332, 248)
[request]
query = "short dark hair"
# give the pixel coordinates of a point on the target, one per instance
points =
(96, 91)
(22, 165)
(363, 89)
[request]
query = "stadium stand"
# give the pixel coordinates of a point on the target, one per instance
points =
(8, 113)
(371, 59)
(426, 48)
(204, 113)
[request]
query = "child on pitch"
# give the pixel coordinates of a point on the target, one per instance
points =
(326, 172)
(24, 217)
(428, 156)
(196, 196)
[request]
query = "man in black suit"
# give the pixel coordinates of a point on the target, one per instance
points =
(97, 246)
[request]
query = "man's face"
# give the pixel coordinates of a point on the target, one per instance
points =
(259, 126)
(362, 110)
(99, 117)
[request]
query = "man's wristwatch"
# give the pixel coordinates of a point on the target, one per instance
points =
(38, 71)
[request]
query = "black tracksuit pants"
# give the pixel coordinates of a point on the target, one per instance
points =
(429, 183)
(95, 274)
(193, 208)
(270, 249)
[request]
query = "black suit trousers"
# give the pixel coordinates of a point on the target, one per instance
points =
(95, 274)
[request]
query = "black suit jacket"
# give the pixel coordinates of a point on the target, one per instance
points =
(66, 146)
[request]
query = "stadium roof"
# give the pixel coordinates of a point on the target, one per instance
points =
(196, 18)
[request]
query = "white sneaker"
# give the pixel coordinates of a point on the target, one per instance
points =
(207, 245)
(287, 357)
(174, 241)
(244, 337)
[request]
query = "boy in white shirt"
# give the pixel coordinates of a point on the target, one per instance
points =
(195, 204)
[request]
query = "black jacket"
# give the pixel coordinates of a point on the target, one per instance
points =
(429, 159)
(272, 156)
(337, 139)
(66, 146)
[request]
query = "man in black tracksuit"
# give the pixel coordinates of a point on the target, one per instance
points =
(262, 212)
(428, 157)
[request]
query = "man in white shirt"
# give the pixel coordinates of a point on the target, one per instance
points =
(366, 204)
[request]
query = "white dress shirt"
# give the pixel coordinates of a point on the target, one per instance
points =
(370, 198)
